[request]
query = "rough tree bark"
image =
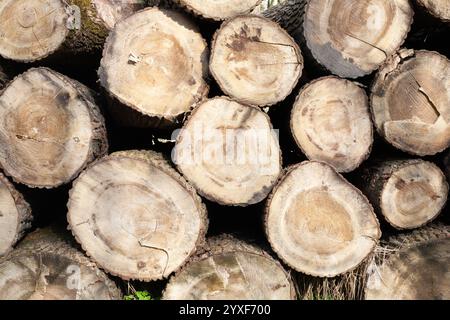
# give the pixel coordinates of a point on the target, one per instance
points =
(290, 16)
(227, 268)
(34, 29)
(136, 216)
(437, 8)
(229, 152)
(352, 38)
(219, 10)
(255, 61)
(318, 223)
(408, 193)
(412, 266)
(331, 123)
(15, 216)
(50, 128)
(154, 64)
(3, 79)
(46, 267)
(410, 102)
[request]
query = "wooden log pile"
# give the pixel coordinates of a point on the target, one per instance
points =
(208, 150)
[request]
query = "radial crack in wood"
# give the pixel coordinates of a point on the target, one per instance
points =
(154, 62)
(410, 102)
(352, 38)
(318, 223)
(229, 152)
(227, 268)
(219, 9)
(136, 216)
(255, 61)
(45, 267)
(331, 123)
(50, 128)
(15, 216)
(408, 193)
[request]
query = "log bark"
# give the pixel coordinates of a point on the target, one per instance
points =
(3, 79)
(50, 129)
(15, 216)
(46, 267)
(290, 16)
(154, 63)
(219, 10)
(447, 164)
(229, 152)
(255, 61)
(227, 268)
(352, 38)
(331, 123)
(109, 12)
(136, 216)
(32, 30)
(437, 8)
(412, 266)
(318, 223)
(407, 193)
(410, 102)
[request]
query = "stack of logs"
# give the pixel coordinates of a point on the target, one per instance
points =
(376, 150)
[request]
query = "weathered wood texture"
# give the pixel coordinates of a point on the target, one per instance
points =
(412, 266)
(227, 268)
(154, 63)
(408, 193)
(331, 123)
(136, 216)
(437, 8)
(34, 29)
(50, 128)
(15, 216)
(352, 38)
(229, 152)
(318, 223)
(255, 61)
(410, 102)
(218, 10)
(46, 267)
(290, 16)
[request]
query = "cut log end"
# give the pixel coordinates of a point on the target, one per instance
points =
(414, 194)
(255, 61)
(231, 269)
(331, 123)
(135, 216)
(352, 38)
(410, 102)
(112, 11)
(15, 216)
(318, 223)
(229, 152)
(31, 30)
(418, 272)
(155, 62)
(438, 8)
(50, 128)
(50, 269)
(219, 10)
